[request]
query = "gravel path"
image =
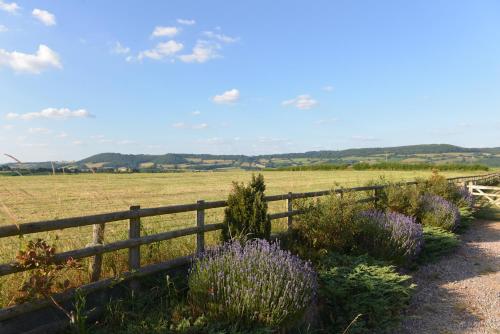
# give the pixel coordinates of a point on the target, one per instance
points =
(460, 293)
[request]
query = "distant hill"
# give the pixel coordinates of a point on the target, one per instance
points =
(428, 154)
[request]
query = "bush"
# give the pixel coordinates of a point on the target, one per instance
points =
(401, 198)
(438, 242)
(330, 223)
(251, 284)
(392, 236)
(246, 213)
(350, 286)
(440, 213)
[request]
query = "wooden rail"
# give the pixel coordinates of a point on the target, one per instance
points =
(135, 240)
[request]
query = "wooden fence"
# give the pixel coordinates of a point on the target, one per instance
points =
(135, 240)
(492, 194)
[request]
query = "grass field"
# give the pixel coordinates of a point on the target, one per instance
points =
(33, 198)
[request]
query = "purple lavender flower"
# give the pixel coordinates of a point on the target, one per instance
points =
(466, 197)
(255, 282)
(401, 235)
(440, 212)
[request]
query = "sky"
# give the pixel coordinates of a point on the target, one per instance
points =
(257, 77)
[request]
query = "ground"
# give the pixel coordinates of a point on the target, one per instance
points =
(461, 292)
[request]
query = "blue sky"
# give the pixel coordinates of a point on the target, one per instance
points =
(84, 77)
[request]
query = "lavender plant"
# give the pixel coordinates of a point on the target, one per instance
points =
(392, 235)
(440, 212)
(251, 283)
(466, 199)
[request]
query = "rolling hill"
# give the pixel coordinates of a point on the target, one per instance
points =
(432, 153)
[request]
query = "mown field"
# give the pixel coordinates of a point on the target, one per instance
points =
(33, 198)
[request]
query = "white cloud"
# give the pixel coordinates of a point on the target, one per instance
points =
(161, 50)
(62, 135)
(165, 31)
(43, 59)
(182, 125)
(118, 48)
(220, 37)
(125, 142)
(196, 113)
(43, 131)
(179, 125)
(52, 113)
(44, 16)
(3, 28)
(200, 126)
(77, 142)
(7, 127)
(229, 96)
(328, 88)
(10, 8)
(303, 102)
(326, 121)
(186, 22)
(202, 52)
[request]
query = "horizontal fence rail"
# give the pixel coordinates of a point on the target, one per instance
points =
(135, 240)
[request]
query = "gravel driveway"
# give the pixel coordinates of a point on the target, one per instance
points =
(461, 292)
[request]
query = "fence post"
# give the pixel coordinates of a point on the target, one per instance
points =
(134, 253)
(289, 208)
(200, 223)
(95, 265)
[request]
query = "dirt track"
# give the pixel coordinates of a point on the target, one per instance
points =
(461, 292)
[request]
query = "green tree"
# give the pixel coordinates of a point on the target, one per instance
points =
(246, 214)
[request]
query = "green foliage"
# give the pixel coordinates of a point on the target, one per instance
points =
(350, 286)
(246, 213)
(405, 199)
(438, 242)
(418, 166)
(386, 166)
(329, 223)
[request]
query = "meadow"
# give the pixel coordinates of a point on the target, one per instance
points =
(34, 198)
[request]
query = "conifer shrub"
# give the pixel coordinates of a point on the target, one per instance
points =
(246, 214)
(439, 212)
(438, 242)
(255, 283)
(391, 236)
(360, 292)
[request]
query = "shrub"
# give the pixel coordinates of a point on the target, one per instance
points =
(401, 198)
(330, 223)
(466, 199)
(350, 286)
(392, 236)
(246, 213)
(438, 242)
(440, 212)
(251, 284)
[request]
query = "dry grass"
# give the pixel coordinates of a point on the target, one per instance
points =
(34, 198)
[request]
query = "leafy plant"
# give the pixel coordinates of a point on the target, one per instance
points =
(401, 198)
(440, 213)
(251, 284)
(350, 286)
(38, 257)
(438, 242)
(330, 223)
(246, 213)
(391, 236)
